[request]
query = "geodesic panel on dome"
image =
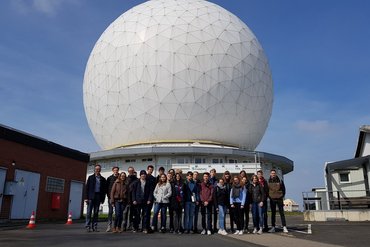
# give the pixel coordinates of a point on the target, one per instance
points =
(170, 70)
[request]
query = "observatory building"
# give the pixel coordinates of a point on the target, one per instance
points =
(180, 84)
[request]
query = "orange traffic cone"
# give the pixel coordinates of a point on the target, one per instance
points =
(32, 223)
(69, 221)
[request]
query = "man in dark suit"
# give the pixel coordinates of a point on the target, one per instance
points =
(95, 191)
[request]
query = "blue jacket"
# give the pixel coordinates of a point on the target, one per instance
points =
(190, 188)
(240, 199)
(90, 188)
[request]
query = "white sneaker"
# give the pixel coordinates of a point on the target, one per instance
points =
(254, 230)
(224, 232)
(240, 232)
(236, 232)
(109, 229)
(285, 229)
(260, 231)
(203, 232)
(209, 232)
(272, 230)
(219, 231)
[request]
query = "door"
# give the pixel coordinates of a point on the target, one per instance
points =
(26, 194)
(2, 184)
(75, 199)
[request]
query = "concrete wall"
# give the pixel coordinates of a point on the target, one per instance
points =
(348, 215)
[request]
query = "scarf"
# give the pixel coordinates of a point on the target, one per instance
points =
(221, 186)
(236, 191)
(261, 181)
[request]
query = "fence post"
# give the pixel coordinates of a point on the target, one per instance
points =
(339, 204)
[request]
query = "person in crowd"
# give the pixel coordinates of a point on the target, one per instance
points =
(179, 205)
(242, 174)
(172, 204)
(161, 171)
(265, 187)
(153, 182)
(213, 180)
(197, 206)
(258, 197)
(128, 212)
(247, 204)
(173, 173)
(221, 200)
(237, 199)
(206, 198)
(191, 198)
(162, 194)
(110, 181)
(228, 184)
(118, 199)
(142, 198)
(276, 195)
(95, 191)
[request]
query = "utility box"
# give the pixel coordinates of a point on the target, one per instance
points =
(10, 187)
(55, 201)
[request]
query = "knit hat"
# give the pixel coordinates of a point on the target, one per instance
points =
(142, 172)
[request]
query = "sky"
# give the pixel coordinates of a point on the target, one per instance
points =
(319, 54)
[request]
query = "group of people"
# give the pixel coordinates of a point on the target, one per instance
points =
(132, 198)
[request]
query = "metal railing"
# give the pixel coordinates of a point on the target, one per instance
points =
(336, 200)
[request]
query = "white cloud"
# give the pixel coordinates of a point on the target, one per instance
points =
(315, 127)
(49, 7)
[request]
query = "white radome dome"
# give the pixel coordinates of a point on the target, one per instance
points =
(178, 70)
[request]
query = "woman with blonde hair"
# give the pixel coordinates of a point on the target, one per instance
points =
(162, 194)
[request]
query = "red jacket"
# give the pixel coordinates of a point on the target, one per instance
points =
(206, 192)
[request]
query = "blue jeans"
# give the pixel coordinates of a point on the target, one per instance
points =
(206, 212)
(221, 216)
(257, 213)
(163, 208)
(93, 206)
(119, 207)
(188, 215)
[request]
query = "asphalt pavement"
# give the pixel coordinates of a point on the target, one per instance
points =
(324, 234)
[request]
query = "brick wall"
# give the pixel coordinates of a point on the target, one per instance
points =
(46, 164)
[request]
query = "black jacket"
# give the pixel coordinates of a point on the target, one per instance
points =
(130, 180)
(90, 188)
(110, 181)
(138, 195)
(221, 196)
(257, 193)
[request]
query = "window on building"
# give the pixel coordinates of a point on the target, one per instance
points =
(217, 161)
(55, 185)
(233, 161)
(344, 177)
(130, 161)
(199, 160)
(181, 160)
